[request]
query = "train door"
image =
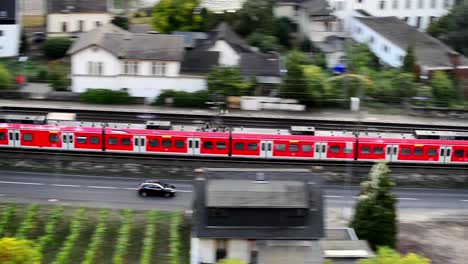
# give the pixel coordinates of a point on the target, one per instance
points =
(194, 146)
(445, 154)
(14, 138)
(68, 142)
(266, 149)
(320, 150)
(392, 153)
(139, 144)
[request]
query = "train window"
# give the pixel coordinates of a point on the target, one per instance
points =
(365, 150)
(53, 138)
(125, 141)
(378, 150)
(112, 141)
(405, 151)
(94, 140)
(418, 151)
(239, 146)
(459, 153)
(2, 136)
(166, 143)
(252, 146)
(220, 145)
(207, 145)
(81, 140)
(154, 143)
(179, 143)
(280, 147)
(306, 148)
(335, 149)
(348, 150)
(28, 137)
(432, 152)
(293, 148)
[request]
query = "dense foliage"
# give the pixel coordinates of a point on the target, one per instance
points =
(121, 21)
(148, 242)
(409, 61)
(18, 251)
(294, 84)
(6, 215)
(6, 79)
(226, 81)
(105, 96)
(375, 218)
(443, 89)
(196, 99)
(121, 247)
(386, 255)
(230, 261)
(174, 241)
(50, 229)
(28, 223)
(57, 76)
(56, 48)
(76, 226)
(97, 239)
(176, 15)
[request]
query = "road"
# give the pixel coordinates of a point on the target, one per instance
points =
(116, 192)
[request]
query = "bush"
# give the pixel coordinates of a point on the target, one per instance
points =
(104, 96)
(28, 223)
(121, 21)
(123, 239)
(18, 251)
(76, 227)
(56, 48)
(196, 99)
(5, 78)
(57, 78)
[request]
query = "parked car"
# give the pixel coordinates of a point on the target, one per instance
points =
(156, 188)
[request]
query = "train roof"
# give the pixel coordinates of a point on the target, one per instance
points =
(414, 141)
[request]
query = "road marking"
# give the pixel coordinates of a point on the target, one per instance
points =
(101, 187)
(66, 185)
(24, 183)
(408, 199)
(133, 189)
(466, 201)
(332, 196)
(184, 191)
(53, 200)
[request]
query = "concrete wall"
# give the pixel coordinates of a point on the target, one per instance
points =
(54, 22)
(9, 40)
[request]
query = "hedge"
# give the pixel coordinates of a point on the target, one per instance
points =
(196, 99)
(104, 96)
(56, 48)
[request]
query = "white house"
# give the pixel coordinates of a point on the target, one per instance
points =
(10, 28)
(221, 6)
(144, 64)
(72, 17)
(389, 37)
(417, 13)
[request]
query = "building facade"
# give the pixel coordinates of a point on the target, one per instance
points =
(10, 28)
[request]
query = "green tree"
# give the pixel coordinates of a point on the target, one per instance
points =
(360, 56)
(409, 62)
(56, 48)
(57, 77)
(24, 47)
(18, 251)
(375, 217)
(172, 15)
(281, 31)
(316, 83)
(443, 90)
(320, 60)
(226, 81)
(294, 84)
(386, 255)
(121, 21)
(255, 15)
(264, 42)
(230, 261)
(6, 80)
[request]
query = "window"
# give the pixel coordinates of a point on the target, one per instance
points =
(125, 141)
(220, 145)
(420, 3)
(358, 30)
(408, 4)
(112, 141)
(446, 3)
(1, 33)
(2, 136)
(166, 143)
(432, 19)
(433, 3)
(27, 137)
(385, 48)
(80, 25)
(252, 146)
(365, 150)
(54, 138)
(306, 148)
(131, 67)
(406, 19)
(371, 39)
(81, 140)
(99, 68)
(280, 147)
(459, 153)
(208, 145)
(378, 150)
(95, 68)
(405, 151)
(382, 5)
(418, 151)
(98, 23)
(179, 143)
(395, 4)
(64, 27)
(94, 140)
(432, 152)
(158, 68)
(418, 22)
(347, 150)
(154, 143)
(239, 146)
(335, 149)
(400, 58)
(293, 148)
(3, 14)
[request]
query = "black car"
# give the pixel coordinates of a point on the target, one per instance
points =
(156, 188)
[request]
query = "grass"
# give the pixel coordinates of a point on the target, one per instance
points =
(114, 221)
(33, 21)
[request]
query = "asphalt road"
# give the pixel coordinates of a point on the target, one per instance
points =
(116, 192)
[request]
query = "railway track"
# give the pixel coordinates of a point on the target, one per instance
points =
(231, 120)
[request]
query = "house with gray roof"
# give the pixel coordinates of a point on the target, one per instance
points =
(389, 37)
(70, 18)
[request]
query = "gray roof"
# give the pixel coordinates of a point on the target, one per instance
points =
(258, 64)
(224, 32)
(77, 6)
(429, 51)
(255, 194)
(191, 38)
(317, 8)
(126, 45)
(199, 61)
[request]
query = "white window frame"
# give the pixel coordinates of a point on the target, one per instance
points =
(433, 4)
(382, 4)
(95, 68)
(395, 4)
(130, 67)
(421, 4)
(408, 4)
(158, 68)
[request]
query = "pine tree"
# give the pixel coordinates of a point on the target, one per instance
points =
(409, 62)
(375, 216)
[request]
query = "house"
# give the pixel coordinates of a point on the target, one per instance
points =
(313, 19)
(72, 17)
(389, 37)
(265, 216)
(221, 6)
(333, 47)
(417, 13)
(144, 64)
(10, 28)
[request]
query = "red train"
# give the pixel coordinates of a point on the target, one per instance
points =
(296, 143)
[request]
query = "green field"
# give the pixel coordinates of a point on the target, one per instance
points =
(77, 235)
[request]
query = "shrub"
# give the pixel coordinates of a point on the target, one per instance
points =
(104, 96)
(5, 78)
(18, 251)
(123, 239)
(120, 21)
(76, 227)
(6, 216)
(50, 228)
(148, 242)
(57, 77)
(97, 239)
(196, 99)
(56, 48)
(28, 223)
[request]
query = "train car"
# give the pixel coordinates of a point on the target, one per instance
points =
(30, 136)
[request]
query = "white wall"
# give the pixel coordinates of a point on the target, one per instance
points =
(228, 56)
(286, 11)
(239, 249)
(363, 34)
(9, 40)
(207, 250)
(54, 22)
